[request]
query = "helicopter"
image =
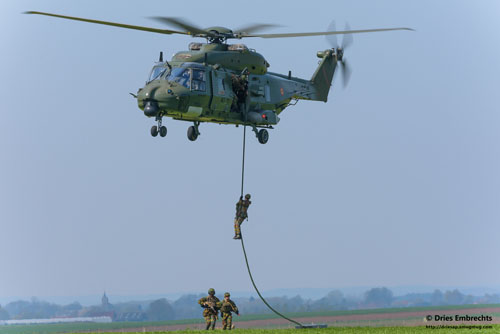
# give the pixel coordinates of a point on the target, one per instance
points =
(223, 83)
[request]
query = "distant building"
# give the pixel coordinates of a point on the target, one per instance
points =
(130, 316)
(108, 310)
(106, 306)
(101, 319)
(104, 310)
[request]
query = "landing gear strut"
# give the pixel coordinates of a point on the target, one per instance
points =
(262, 135)
(193, 131)
(155, 129)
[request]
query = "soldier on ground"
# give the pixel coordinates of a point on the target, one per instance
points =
(241, 214)
(228, 306)
(211, 305)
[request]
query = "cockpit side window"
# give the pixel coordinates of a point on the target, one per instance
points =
(192, 78)
(198, 82)
(181, 76)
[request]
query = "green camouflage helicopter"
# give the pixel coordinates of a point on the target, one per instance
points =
(229, 84)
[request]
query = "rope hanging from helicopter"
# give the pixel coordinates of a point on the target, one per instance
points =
(243, 244)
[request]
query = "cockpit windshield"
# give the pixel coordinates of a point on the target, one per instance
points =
(156, 73)
(192, 78)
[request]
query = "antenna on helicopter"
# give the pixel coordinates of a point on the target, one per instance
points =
(166, 61)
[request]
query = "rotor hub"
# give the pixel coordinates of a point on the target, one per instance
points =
(340, 54)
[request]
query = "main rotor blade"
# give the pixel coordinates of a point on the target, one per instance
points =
(254, 27)
(304, 34)
(180, 23)
(120, 25)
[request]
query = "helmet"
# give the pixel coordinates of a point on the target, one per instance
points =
(247, 196)
(211, 291)
(227, 294)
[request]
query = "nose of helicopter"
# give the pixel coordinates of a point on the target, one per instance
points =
(147, 98)
(155, 99)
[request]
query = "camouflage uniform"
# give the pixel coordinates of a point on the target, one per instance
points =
(241, 215)
(240, 89)
(211, 305)
(228, 306)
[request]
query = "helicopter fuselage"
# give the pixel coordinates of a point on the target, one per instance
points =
(198, 86)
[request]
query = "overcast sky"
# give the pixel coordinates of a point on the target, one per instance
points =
(393, 182)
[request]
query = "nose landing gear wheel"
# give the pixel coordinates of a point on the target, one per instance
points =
(263, 136)
(163, 131)
(158, 129)
(192, 133)
(154, 131)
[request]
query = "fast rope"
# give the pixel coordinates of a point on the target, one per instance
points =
(243, 244)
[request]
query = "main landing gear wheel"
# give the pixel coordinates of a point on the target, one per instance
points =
(263, 136)
(154, 131)
(163, 131)
(192, 133)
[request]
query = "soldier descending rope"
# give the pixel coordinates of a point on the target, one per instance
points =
(228, 306)
(241, 214)
(211, 305)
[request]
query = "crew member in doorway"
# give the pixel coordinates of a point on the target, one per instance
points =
(241, 214)
(240, 88)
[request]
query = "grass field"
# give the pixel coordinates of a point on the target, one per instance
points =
(372, 311)
(362, 330)
(495, 329)
(396, 317)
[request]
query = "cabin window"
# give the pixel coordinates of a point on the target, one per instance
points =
(198, 82)
(222, 86)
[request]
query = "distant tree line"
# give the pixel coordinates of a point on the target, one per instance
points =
(186, 307)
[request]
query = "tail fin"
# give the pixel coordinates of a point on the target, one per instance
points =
(322, 77)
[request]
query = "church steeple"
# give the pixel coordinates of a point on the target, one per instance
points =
(104, 301)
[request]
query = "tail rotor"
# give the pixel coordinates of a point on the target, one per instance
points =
(347, 41)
